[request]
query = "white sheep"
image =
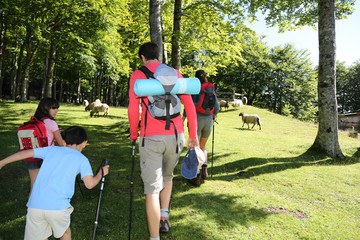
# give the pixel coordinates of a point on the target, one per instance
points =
(100, 108)
(236, 103)
(248, 119)
(85, 103)
(224, 103)
(92, 105)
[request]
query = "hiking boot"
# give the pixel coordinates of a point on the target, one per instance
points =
(164, 225)
(204, 172)
(195, 181)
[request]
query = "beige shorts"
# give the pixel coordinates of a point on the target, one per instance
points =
(158, 158)
(41, 224)
(205, 125)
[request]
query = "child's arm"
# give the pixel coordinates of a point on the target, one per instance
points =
(59, 140)
(16, 157)
(91, 181)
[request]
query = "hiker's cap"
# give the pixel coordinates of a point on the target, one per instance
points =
(190, 165)
(200, 156)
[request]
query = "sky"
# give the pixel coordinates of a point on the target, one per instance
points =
(347, 38)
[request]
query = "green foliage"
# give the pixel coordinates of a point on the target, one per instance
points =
(279, 79)
(347, 86)
(265, 183)
(292, 14)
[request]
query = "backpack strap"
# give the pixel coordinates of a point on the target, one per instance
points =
(167, 107)
(147, 72)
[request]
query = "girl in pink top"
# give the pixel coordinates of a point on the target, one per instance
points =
(46, 110)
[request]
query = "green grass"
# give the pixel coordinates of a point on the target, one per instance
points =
(265, 184)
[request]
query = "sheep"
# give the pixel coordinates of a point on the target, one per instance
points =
(236, 103)
(248, 119)
(224, 103)
(100, 108)
(85, 103)
(92, 105)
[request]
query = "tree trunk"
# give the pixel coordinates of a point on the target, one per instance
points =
(61, 91)
(165, 49)
(30, 55)
(51, 68)
(327, 140)
(98, 94)
(18, 73)
(54, 87)
(2, 39)
(78, 88)
(155, 25)
(13, 76)
(175, 51)
(43, 86)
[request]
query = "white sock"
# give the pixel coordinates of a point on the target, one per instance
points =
(164, 213)
(157, 238)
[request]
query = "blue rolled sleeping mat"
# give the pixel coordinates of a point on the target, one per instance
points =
(149, 87)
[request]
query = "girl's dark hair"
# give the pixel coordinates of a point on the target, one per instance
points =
(74, 135)
(149, 50)
(201, 75)
(43, 109)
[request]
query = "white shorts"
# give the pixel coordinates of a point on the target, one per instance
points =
(41, 224)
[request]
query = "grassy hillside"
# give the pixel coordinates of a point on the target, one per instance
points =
(265, 184)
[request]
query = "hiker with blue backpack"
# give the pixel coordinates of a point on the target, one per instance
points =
(207, 107)
(161, 136)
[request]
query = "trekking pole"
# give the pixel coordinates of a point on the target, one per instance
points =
(212, 146)
(131, 185)
(101, 189)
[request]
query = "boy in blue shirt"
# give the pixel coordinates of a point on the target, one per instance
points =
(49, 207)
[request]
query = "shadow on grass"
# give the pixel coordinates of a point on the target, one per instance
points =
(250, 167)
(218, 209)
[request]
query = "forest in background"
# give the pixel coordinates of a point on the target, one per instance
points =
(86, 49)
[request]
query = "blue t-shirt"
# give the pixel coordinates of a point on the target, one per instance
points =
(55, 183)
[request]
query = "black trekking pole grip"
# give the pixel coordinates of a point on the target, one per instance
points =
(106, 162)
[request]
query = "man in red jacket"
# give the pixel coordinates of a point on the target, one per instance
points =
(158, 155)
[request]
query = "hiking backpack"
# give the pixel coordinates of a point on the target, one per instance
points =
(206, 101)
(163, 107)
(32, 134)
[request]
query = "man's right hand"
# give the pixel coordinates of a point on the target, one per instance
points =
(192, 142)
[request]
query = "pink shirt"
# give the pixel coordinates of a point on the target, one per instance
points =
(51, 126)
(154, 126)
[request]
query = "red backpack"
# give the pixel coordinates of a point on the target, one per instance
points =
(206, 103)
(32, 134)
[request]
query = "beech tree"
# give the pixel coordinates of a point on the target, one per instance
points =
(155, 24)
(327, 139)
(291, 14)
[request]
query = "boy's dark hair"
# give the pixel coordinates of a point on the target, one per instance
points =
(44, 107)
(149, 50)
(74, 135)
